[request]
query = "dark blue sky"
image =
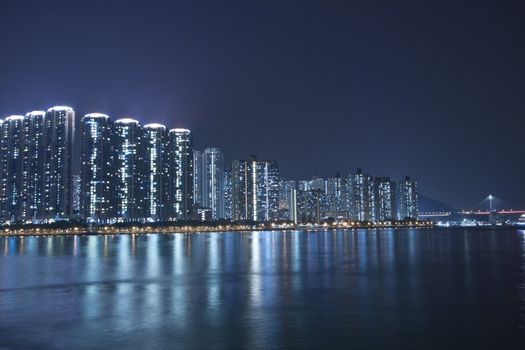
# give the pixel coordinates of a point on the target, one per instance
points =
(431, 89)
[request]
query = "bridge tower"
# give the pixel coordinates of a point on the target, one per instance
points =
(493, 213)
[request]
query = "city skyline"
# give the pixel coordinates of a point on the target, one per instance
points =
(134, 172)
(228, 158)
(429, 90)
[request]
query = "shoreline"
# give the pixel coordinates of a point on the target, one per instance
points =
(198, 230)
(79, 230)
(110, 230)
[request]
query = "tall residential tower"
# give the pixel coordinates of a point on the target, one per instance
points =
(213, 182)
(255, 190)
(59, 133)
(97, 195)
(130, 171)
(408, 199)
(156, 166)
(180, 168)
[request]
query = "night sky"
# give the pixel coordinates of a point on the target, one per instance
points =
(434, 90)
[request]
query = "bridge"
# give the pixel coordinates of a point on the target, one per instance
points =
(434, 214)
(502, 212)
(488, 202)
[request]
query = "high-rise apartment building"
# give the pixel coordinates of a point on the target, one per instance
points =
(154, 148)
(255, 190)
(408, 199)
(33, 167)
(213, 181)
(130, 171)
(59, 133)
(197, 178)
(228, 199)
(180, 168)
(12, 152)
(97, 195)
(285, 193)
(385, 196)
(268, 190)
(336, 197)
(361, 196)
(310, 206)
(292, 206)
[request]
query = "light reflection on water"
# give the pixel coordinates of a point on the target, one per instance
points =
(328, 288)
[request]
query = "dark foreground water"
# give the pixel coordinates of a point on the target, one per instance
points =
(364, 289)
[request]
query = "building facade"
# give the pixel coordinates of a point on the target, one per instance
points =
(197, 178)
(59, 134)
(336, 197)
(13, 151)
(385, 196)
(156, 171)
(180, 168)
(285, 193)
(97, 197)
(361, 196)
(130, 172)
(255, 190)
(33, 166)
(408, 199)
(228, 199)
(213, 181)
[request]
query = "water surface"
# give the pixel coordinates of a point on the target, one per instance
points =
(359, 289)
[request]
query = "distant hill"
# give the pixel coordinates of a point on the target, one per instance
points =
(430, 204)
